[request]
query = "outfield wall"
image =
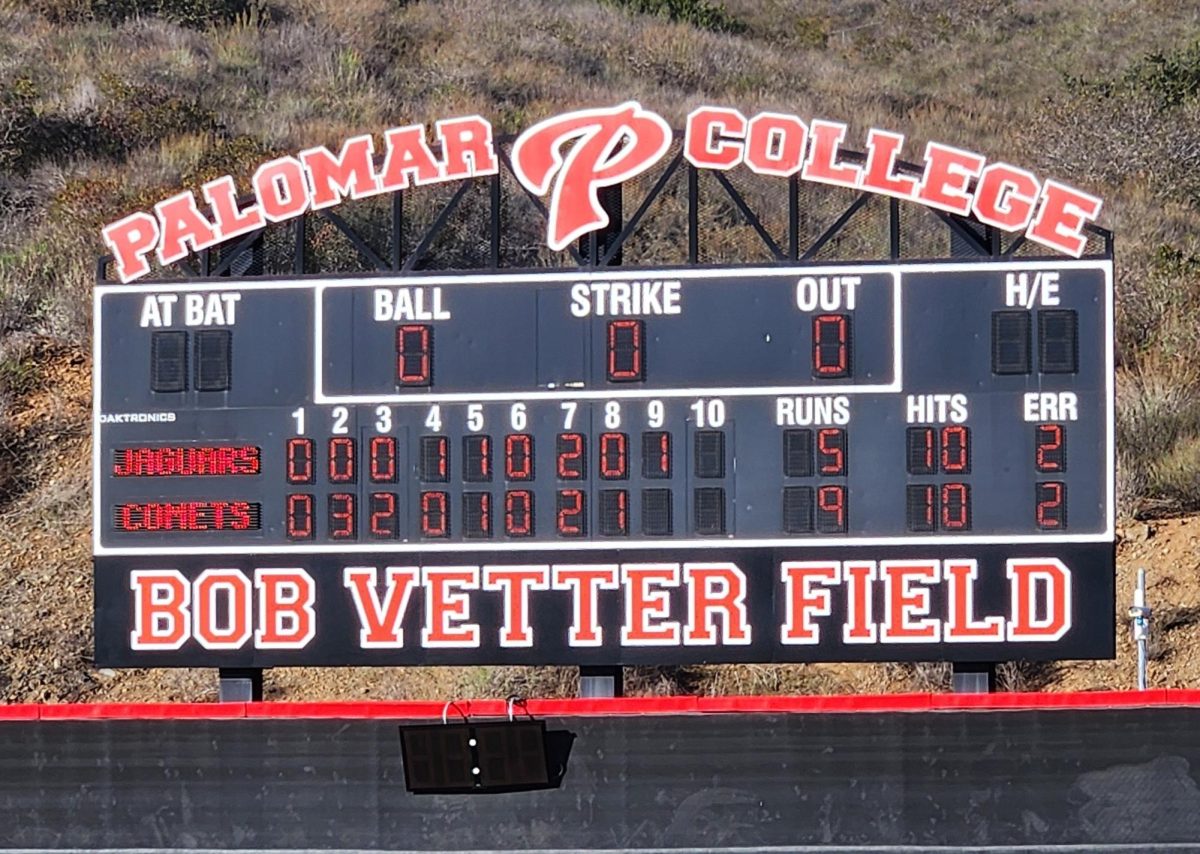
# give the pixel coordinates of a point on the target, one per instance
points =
(691, 773)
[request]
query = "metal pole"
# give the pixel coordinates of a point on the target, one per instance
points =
(1140, 614)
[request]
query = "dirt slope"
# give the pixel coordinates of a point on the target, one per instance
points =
(46, 602)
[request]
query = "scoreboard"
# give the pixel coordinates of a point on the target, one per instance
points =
(607, 466)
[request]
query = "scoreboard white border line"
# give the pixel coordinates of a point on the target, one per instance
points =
(619, 545)
(322, 399)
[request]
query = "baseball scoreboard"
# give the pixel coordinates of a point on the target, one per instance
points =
(609, 466)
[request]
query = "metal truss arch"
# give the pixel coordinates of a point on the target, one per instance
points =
(677, 215)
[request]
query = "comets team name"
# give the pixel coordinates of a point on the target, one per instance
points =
(570, 156)
(568, 606)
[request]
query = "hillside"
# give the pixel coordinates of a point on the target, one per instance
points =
(107, 106)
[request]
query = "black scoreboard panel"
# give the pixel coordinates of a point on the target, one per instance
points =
(652, 415)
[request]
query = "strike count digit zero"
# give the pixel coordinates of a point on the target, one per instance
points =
(753, 417)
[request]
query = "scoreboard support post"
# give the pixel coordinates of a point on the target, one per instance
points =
(601, 682)
(240, 684)
(973, 677)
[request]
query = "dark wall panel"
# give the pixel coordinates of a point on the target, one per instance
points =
(1000, 778)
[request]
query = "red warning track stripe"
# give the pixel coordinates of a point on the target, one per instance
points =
(624, 706)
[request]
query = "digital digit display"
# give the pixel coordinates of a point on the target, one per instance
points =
(300, 466)
(572, 456)
(709, 510)
(797, 453)
(614, 456)
(342, 462)
(656, 455)
(657, 520)
(956, 449)
(385, 521)
(383, 459)
(299, 518)
(518, 457)
(922, 504)
(710, 453)
(831, 346)
(477, 459)
(626, 362)
(798, 509)
(1010, 342)
(831, 452)
(922, 450)
(414, 355)
(518, 513)
(572, 513)
(342, 522)
(1051, 448)
(168, 361)
(789, 426)
(435, 459)
(213, 359)
(831, 509)
(435, 514)
(477, 515)
(1051, 511)
(614, 512)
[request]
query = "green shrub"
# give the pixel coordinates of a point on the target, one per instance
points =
(1169, 78)
(698, 13)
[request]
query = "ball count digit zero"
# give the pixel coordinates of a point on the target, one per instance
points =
(819, 462)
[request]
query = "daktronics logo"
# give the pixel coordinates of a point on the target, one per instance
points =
(571, 156)
(702, 604)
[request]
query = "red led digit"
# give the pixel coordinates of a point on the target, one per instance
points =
(384, 520)
(831, 451)
(383, 459)
(414, 354)
(434, 463)
(300, 461)
(300, 517)
(922, 507)
(477, 458)
(831, 346)
(625, 357)
(435, 516)
(341, 460)
(341, 516)
(572, 456)
(477, 515)
(518, 513)
(922, 450)
(1051, 448)
(656, 454)
(614, 513)
(1051, 511)
(956, 507)
(956, 449)
(518, 457)
(571, 517)
(831, 509)
(614, 456)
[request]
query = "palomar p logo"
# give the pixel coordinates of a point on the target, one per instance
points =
(612, 145)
